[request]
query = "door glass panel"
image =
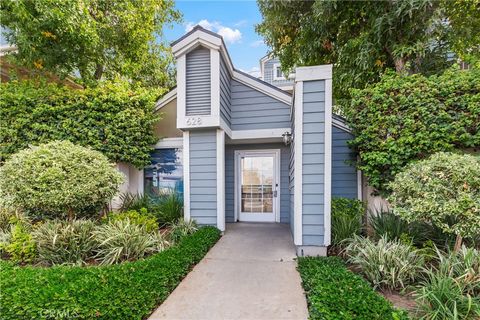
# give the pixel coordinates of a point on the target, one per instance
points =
(257, 184)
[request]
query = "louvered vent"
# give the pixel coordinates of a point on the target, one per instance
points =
(198, 82)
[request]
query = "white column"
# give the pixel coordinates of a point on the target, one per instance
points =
(298, 169)
(186, 175)
(221, 180)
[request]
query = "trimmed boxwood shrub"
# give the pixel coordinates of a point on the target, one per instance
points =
(334, 292)
(126, 291)
(58, 180)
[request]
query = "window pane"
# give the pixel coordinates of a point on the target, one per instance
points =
(165, 174)
(257, 184)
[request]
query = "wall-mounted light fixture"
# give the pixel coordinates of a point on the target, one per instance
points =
(287, 138)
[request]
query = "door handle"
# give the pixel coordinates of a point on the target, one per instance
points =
(275, 193)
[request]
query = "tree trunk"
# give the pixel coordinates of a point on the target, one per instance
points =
(458, 243)
(98, 71)
(399, 64)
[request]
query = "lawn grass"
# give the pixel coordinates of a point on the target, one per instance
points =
(334, 292)
(129, 290)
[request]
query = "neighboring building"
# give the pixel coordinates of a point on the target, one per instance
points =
(271, 72)
(243, 149)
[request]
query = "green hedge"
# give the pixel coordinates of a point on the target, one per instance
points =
(334, 292)
(404, 118)
(111, 118)
(126, 291)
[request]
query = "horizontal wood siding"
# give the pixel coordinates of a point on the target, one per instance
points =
(203, 177)
(230, 178)
(313, 162)
(198, 82)
(225, 93)
(252, 109)
(344, 173)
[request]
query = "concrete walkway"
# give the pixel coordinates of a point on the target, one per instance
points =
(249, 274)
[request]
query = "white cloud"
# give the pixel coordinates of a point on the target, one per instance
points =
(256, 44)
(240, 23)
(254, 72)
(229, 35)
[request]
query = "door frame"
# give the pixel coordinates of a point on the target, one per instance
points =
(237, 168)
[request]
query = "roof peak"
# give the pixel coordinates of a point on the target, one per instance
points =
(194, 29)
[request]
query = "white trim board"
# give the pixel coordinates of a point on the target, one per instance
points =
(341, 125)
(321, 72)
(186, 175)
(181, 89)
(298, 169)
(327, 192)
(263, 87)
(169, 143)
(221, 180)
(168, 97)
(259, 134)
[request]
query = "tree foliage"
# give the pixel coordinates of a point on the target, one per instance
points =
(99, 39)
(111, 118)
(403, 118)
(364, 38)
(59, 180)
(444, 190)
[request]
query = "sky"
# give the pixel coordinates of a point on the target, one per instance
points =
(234, 20)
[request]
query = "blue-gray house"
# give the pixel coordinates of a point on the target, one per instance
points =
(245, 149)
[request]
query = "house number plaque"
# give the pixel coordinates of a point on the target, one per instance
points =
(194, 121)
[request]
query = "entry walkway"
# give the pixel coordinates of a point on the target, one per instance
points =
(249, 274)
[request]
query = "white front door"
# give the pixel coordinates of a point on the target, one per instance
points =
(258, 185)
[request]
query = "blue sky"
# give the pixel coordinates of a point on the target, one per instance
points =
(234, 20)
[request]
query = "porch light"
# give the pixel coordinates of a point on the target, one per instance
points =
(287, 138)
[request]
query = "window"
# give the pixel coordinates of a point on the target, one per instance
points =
(277, 72)
(165, 174)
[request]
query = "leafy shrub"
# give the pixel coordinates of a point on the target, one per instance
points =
(58, 179)
(404, 118)
(443, 190)
(334, 292)
(130, 290)
(386, 224)
(5, 216)
(110, 118)
(385, 264)
(140, 218)
(451, 290)
(181, 229)
(20, 247)
(346, 218)
(122, 240)
(135, 201)
(170, 208)
(62, 242)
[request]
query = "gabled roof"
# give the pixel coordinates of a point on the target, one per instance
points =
(201, 36)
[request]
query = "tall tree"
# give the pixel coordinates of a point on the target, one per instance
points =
(363, 38)
(96, 39)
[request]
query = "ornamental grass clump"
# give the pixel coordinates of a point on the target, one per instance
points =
(122, 240)
(58, 180)
(181, 229)
(451, 288)
(65, 242)
(385, 264)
